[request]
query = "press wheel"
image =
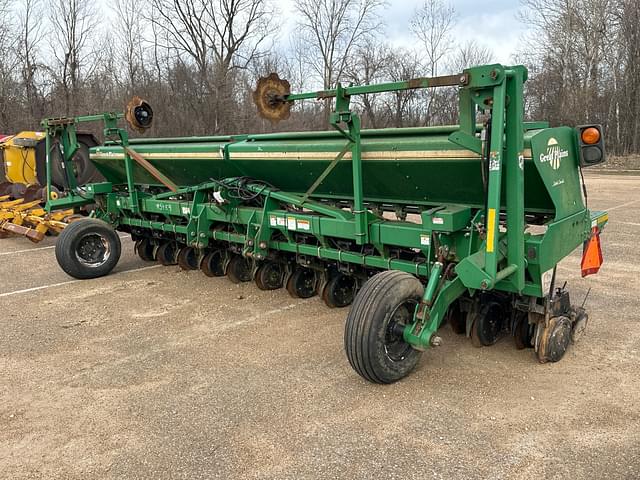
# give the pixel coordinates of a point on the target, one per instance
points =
(456, 318)
(188, 258)
(146, 249)
(488, 324)
(167, 253)
(212, 265)
(523, 332)
(270, 276)
(239, 269)
(340, 291)
(302, 283)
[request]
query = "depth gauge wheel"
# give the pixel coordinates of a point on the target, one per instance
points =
(373, 338)
(88, 248)
(146, 250)
(302, 283)
(270, 276)
(340, 291)
(239, 269)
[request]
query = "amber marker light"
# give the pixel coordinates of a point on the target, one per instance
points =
(590, 135)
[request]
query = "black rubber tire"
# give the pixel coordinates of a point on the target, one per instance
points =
(270, 276)
(368, 322)
(340, 291)
(167, 253)
(239, 269)
(488, 324)
(70, 240)
(212, 264)
(188, 258)
(523, 332)
(457, 318)
(303, 283)
(85, 170)
(146, 250)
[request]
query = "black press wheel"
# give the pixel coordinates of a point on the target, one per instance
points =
(340, 291)
(270, 276)
(239, 269)
(523, 331)
(188, 258)
(88, 248)
(457, 318)
(212, 265)
(167, 253)
(488, 324)
(146, 249)
(373, 332)
(302, 283)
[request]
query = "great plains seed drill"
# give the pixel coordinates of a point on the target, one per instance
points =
(415, 226)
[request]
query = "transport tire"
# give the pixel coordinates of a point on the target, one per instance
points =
(303, 283)
(212, 265)
(340, 291)
(373, 343)
(84, 171)
(239, 269)
(188, 258)
(146, 250)
(88, 248)
(270, 276)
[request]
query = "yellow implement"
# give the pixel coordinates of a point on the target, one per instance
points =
(29, 219)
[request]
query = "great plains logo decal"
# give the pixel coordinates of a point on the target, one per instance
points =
(554, 154)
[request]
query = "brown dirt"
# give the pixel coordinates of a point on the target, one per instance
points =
(158, 373)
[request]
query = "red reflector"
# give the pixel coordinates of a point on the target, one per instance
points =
(591, 254)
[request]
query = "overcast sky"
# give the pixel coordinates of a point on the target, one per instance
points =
(491, 23)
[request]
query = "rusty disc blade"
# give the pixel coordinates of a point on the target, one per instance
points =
(269, 98)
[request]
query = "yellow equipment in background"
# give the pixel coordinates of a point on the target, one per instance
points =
(22, 174)
(19, 155)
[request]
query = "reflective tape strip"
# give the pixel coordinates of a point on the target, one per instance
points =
(491, 223)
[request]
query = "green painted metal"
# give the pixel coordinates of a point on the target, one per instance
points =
(313, 197)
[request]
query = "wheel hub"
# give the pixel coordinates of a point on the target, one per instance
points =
(93, 250)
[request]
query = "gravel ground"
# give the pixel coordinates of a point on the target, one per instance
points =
(156, 373)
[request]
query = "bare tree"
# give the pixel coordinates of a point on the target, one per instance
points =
(7, 65)
(369, 66)
(432, 24)
(31, 35)
(129, 41)
(74, 24)
(332, 29)
(469, 54)
(218, 37)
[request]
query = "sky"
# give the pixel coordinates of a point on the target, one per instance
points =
(491, 23)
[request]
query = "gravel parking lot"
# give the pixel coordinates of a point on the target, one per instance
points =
(156, 373)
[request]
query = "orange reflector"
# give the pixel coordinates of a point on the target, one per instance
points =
(591, 135)
(591, 254)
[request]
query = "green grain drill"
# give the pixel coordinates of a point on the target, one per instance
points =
(414, 226)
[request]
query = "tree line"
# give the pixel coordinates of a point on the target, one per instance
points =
(197, 62)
